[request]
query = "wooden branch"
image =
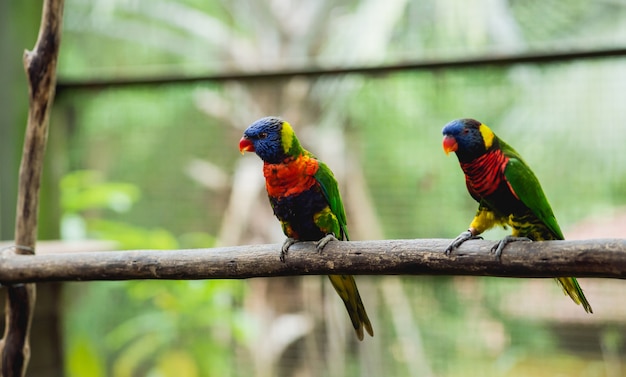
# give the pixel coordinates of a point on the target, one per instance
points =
(590, 258)
(40, 66)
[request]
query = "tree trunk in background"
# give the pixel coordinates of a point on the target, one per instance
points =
(46, 343)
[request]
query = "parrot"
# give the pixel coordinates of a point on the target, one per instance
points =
(304, 196)
(507, 192)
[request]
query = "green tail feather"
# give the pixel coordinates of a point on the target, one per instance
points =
(347, 290)
(572, 289)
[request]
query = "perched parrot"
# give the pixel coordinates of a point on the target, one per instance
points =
(507, 191)
(305, 198)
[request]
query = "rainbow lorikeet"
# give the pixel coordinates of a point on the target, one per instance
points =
(507, 191)
(305, 198)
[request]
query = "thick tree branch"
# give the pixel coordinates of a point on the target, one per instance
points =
(589, 258)
(40, 66)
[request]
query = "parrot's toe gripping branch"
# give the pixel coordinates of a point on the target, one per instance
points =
(321, 244)
(465, 236)
(285, 248)
(499, 247)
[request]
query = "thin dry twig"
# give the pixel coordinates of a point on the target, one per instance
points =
(40, 66)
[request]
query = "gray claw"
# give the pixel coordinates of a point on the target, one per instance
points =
(465, 236)
(499, 247)
(321, 244)
(285, 248)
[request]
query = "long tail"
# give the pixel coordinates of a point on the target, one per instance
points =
(572, 289)
(347, 290)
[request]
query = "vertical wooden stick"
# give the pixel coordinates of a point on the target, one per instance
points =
(40, 66)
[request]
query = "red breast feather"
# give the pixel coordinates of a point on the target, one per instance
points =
(484, 174)
(291, 177)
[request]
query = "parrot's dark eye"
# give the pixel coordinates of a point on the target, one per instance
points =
(465, 131)
(262, 135)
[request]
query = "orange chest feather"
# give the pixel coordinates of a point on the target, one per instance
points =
(291, 177)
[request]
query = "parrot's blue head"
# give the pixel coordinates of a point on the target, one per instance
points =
(271, 138)
(469, 138)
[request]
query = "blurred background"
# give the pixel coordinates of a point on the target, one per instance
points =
(156, 166)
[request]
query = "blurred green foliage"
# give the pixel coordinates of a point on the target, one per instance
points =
(155, 328)
(147, 325)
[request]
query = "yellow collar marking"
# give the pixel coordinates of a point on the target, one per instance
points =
(488, 135)
(287, 136)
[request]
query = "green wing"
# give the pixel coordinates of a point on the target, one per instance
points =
(330, 189)
(526, 187)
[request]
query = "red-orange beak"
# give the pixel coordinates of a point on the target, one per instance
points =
(245, 145)
(449, 144)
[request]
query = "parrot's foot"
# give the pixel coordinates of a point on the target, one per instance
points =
(285, 248)
(465, 236)
(497, 248)
(321, 244)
